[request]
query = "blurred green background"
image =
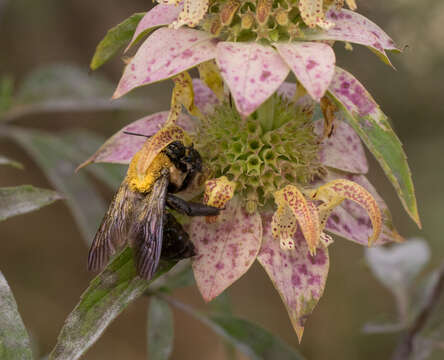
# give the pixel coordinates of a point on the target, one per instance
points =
(44, 257)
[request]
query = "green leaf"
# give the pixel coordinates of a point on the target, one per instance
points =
(63, 88)
(222, 306)
(371, 124)
(54, 157)
(180, 276)
(23, 199)
(249, 338)
(14, 340)
(86, 143)
(106, 297)
(160, 330)
(6, 161)
(114, 40)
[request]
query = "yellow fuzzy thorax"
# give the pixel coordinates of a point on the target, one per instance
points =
(142, 182)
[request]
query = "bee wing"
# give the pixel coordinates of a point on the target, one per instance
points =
(147, 228)
(111, 234)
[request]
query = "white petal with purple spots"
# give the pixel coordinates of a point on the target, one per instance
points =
(160, 15)
(343, 150)
(226, 249)
(167, 52)
(312, 63)
(298, 277)
(253, 73)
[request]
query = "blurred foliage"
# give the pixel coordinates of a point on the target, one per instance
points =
(14, 340)
(420, 305)
(71, 30)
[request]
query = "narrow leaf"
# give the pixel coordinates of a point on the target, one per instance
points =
(106, 297)
(249, 338)
(86, 142)
(64, 88)
(23, 199)
(371, 124)
(54, 156)
(160, 330)
(179, 276)
(114, 40)
(6, 161)
(14, 340)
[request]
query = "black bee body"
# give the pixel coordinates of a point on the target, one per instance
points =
(140, 219)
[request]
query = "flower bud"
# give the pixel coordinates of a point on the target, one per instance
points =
(247, 21)
(263, 10)
(228, 11)
(281, 17)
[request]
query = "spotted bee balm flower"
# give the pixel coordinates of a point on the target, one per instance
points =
(283, 160)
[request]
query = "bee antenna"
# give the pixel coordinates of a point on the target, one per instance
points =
(136, 134)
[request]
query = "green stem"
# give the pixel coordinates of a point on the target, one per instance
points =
(265, 114)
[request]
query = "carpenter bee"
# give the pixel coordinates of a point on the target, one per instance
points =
(137, 214)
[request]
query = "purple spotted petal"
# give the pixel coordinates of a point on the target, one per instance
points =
(353, 27)
(353, 95)
(350, 221)
(298, 277)
(204, 97)
(312, 63)
(343, 150)
(225, 250)
(160, 15)
(167, 52)
(120, 148)
(253, 72)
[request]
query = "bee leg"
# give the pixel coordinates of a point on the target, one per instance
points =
(190, 208)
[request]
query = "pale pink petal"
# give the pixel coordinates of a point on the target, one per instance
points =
(288, 91)
(350, 220)
(353, 95)
(225, 250)
(167, 52)
(253, 73)
(204, 98)
(353, 27)
(312, 63)
(298, 277)
(120, 148)
(343, 150)
(160, 15)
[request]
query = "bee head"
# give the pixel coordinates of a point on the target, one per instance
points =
(187, 164)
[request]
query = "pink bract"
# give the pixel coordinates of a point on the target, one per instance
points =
(252, 71)
(226, 249)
